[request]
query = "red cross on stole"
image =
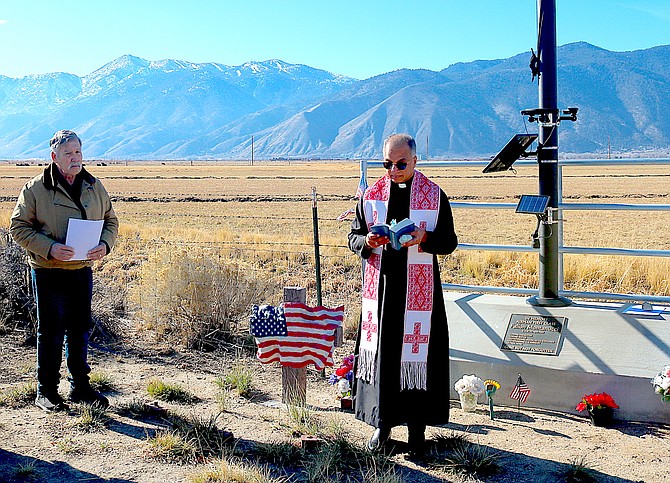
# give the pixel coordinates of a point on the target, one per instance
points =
(370, 327)
(415, 338)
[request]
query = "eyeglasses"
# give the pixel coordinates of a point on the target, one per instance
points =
(400, 165)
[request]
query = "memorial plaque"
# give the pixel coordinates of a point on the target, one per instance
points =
(533, 334)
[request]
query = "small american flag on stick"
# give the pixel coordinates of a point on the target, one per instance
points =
(362, 186)
(296, 336)
(521, 391)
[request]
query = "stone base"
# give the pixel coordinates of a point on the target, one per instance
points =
(601, 350)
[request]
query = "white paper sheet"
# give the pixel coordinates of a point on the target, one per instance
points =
(82, 235)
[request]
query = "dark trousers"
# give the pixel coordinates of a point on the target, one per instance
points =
(63, 300)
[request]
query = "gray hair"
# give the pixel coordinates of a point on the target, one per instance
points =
(395, 140)
(62, 137)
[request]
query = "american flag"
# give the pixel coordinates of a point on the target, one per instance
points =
(520, 391)
(362, 186)
(297, 336)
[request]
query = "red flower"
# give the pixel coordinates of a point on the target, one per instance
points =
(342, 371)
(590, 401)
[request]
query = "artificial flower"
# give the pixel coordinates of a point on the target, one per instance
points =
(471, 384)
(662, 384)
(343, 377)
(342, 371)
(491, 382)
(343, 386)
(597, 401)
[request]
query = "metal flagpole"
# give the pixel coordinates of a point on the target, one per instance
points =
(547, 157)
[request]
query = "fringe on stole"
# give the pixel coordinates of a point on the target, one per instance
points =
(413, 375)
(366, 366)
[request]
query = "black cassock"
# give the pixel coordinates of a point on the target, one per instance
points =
(384, 402)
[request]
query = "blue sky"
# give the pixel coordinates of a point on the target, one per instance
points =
(359, 38)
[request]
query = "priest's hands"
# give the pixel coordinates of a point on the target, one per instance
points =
(418, 236)
(375, 241)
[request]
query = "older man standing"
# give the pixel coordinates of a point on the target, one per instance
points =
(402, 363)
(63, 287)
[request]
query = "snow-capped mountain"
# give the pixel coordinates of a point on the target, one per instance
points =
(132, 108)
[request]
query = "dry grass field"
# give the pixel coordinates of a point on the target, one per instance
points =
(200, 242)
(266, 209)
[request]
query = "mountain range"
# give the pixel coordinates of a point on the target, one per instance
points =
(133, 108)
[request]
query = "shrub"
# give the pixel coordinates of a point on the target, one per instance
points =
(108, 308)
(102, 381)
(171, 447)
(20, 396)
(26, 470)
(92, 417)
(239, 378)
(202, 433)
(17, 306)
(169, 392)
(195, 297)
(279, 453)
(577, 471)
(232, 470)
(137, 408)
(472, 459)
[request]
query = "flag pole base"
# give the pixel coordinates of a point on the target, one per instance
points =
(537, 301)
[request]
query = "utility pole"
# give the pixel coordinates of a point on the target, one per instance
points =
(426, 147)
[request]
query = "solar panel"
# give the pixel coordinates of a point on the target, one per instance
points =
(532, 204)
(512, 151)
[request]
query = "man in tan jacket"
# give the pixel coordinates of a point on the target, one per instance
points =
(63, 286)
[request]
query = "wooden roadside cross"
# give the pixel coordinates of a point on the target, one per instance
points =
(294, 380)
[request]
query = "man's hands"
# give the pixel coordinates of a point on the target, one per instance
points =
(64, 252)
(98, 252)
(61, 252)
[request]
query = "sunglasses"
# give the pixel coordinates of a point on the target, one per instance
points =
(400, 165)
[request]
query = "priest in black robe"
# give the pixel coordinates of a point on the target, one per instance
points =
(380, 401)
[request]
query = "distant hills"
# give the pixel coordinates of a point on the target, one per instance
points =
(132, 108)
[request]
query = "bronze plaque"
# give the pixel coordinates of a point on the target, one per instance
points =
(533, 334)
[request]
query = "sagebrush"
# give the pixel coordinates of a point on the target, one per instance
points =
(195, 296)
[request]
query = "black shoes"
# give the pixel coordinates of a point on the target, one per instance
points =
(379, 437)
(50, 402)
(416, 441)
(88, 395)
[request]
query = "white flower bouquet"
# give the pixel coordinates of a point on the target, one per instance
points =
(471, 384)
(662, 384)
(468, 389)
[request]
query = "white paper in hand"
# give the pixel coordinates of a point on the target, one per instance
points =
(82, 235)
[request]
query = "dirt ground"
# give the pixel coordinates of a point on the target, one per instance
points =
(533, 444)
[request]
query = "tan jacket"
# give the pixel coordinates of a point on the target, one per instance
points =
(42, 212)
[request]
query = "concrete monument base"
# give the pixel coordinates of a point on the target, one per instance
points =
(600, 349)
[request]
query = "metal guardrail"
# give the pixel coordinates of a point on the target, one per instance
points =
(562, 206)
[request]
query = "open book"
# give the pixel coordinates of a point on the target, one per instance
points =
(397, 233)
